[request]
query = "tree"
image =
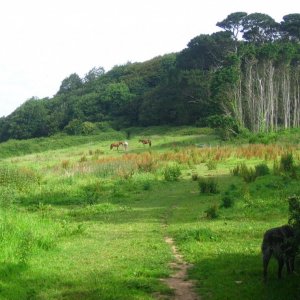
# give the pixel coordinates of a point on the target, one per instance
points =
(259, 28)
(70, 83)
(29, 120)
(93, 74)
(291, 26)
(234, 24)
(116, 96)
(206, 51)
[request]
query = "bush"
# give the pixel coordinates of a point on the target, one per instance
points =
(172, 173)
(294, 211)
(211, 165)
(294, 216)
(195, 176)
(212, 212)
(287, 162)
(146, 186)
(262, 169)
(208, 186)
(247, 173)
(227, 201)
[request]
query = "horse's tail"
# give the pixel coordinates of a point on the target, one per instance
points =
(149, 143)
(111, 146)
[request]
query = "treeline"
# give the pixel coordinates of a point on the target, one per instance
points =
(249, 73)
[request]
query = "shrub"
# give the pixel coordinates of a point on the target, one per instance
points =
(276, 167)
(98, 152)
(294, 213)
(208, 186)
(83, 158)
(18, 177)
(212, 212)
(195, 234)
(287, 162)
(146, 186)
(195, 176)
(262, 169)
(227, 201)
(88, 128)
(172, 173)
(239, 169)
(247, 173)
(211, 165)
(65, 164)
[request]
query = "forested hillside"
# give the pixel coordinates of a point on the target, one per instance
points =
(249, 71)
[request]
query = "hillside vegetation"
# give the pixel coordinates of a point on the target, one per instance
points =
(248, 71)
(81, 221)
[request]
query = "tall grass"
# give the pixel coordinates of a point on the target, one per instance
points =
(23, 235)
(22, 147)
(91, 228)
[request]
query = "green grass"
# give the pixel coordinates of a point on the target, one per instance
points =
(94, 228)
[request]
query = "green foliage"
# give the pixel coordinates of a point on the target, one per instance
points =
(195, 234)
(208, 186)
(212, 212)
(259, 28)
(227, 201)
(206, 79)
(21, 178)
(262, 169)
(70, 83)
(146, 186)
(262, 138)
(195, 177)
(226, 126)
(247, 173)
(211, 164)
(78, 215)
(291, 26)
(294, 213)
(287, 162)
(17, 148)
(172, 173)
(294, 209)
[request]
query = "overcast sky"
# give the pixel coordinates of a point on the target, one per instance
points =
(44, 41)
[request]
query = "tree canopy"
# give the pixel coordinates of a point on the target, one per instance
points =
(249, 71)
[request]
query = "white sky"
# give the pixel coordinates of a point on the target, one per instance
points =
(44, 41)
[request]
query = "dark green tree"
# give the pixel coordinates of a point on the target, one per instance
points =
(234, 24)
(70, 83)
(29, 120)
(260, 28)
(93, 74)
(290, 26)
(206, 51)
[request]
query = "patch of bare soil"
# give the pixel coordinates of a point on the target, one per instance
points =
(183, 288)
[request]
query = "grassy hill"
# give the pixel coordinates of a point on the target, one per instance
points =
(81, 221)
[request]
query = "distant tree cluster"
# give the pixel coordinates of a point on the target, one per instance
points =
(249, 72)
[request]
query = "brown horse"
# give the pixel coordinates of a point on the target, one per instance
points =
(117, 144)
(147, 141)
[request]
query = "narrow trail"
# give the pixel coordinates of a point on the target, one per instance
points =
(184, 289)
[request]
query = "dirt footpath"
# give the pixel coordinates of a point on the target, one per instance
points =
(183, 288)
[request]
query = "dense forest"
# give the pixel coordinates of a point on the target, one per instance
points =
(246, 75)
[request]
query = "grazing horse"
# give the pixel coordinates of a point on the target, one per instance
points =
(117, 144)
(147, 141)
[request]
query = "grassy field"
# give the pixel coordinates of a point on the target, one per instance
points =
(81, 221)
